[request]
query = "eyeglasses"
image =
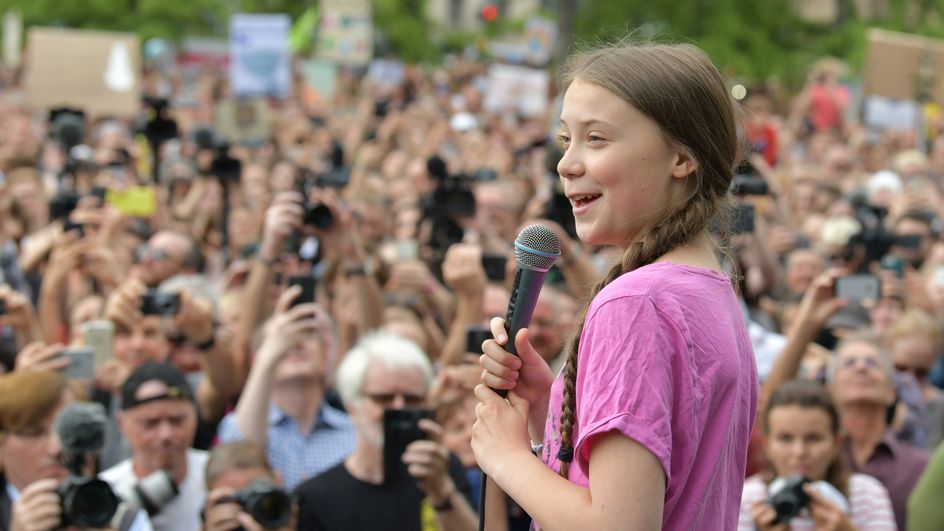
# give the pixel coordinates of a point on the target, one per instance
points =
(387, 399)
(867, 362)
(144, 252)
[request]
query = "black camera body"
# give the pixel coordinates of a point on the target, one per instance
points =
(744, 185)
(87, 502)
(156, 303)
(268, 504)
(318, 215)
(790, 498)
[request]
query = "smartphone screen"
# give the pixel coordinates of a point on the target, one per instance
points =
(99, 335)
(858, 287)
(494, 265)
(400, 427)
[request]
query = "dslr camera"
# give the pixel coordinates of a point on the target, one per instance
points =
(268, 504)
(157, 303)
(789, 497)
(87, 502)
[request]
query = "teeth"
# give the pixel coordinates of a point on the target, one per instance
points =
(583, 197)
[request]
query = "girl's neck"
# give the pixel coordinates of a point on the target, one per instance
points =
(699, 252)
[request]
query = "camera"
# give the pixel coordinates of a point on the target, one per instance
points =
(788, 497)
(156, 303)
(153, 492)
(743, 185)
(318, 215)
(62, 204)
(268, 504)
(87, 502)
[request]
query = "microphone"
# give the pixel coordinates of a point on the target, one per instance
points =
(536, 250)
(81, 429)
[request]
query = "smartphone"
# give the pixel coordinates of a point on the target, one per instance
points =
(99, 335)
(400, 427)
(407, 250)
(308, 284)
(494, 265)
(157, 303)
(858, 287)
(81, 365)
(749, 185)
(474, 337)
(742, 219)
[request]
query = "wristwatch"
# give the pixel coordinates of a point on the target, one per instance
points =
(446, 504)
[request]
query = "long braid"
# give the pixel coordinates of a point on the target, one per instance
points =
(677, 229)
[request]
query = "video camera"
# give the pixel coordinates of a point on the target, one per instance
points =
(222, 166)
(451, 199)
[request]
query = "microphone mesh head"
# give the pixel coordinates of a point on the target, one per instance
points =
(537, 247)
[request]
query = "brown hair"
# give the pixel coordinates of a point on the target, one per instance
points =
(239, 455)
(28, 397)
(810, 395)
(915, 322)
(677, 87)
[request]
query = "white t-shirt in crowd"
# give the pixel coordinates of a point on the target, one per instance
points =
(183, 512)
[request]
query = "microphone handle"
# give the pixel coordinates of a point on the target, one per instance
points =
(524, 297)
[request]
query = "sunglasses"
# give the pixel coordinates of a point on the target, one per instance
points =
(867, 362)
(920, 373)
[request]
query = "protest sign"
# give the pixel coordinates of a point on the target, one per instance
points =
(346, 32)
(898, 64)
(260, 59)
(320, 76)
(243, 121)
(517, 89)
(95, 71)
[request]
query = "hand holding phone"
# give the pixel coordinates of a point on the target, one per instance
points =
(308, 284)
(401, 427)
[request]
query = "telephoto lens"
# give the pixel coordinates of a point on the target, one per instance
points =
(788, 497)
(266, 503)
(87, 502)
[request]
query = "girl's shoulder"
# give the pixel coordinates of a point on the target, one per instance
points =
(668, 285)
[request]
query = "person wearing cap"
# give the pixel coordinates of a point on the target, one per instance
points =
(159, 418)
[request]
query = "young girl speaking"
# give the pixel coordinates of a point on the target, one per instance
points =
(647, 425)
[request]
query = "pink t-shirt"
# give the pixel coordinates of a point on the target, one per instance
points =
(665, 359)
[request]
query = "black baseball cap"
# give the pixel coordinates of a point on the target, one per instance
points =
(177, 386)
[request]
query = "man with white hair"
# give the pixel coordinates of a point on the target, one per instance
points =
(385, 372)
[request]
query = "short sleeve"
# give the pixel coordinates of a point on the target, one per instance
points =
(754, 491)
(632, 357)
(871, 506)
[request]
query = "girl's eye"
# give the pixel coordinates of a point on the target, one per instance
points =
(594, 139)
(563, 139)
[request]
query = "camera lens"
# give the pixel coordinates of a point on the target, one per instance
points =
(88, 502)
(318, 216)
(272, 509)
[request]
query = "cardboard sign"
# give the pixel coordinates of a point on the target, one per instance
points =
(897, 64)
(12, 38)
(245, 121)
(517, 89)
(95, 71)
(346, 32)
(260, 62)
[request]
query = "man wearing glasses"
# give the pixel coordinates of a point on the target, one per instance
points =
(427, 485)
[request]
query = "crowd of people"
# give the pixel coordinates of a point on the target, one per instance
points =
(259, 329)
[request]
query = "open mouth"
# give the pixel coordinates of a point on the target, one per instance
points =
(580, 201)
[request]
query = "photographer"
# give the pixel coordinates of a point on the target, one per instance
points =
(861, 380)
(159, 419)
(30, 466)
(387, 373)
(236, 468)
(802, 427)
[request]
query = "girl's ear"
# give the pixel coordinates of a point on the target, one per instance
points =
(684, 166)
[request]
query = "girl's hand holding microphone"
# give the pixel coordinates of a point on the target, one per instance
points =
(502, 427)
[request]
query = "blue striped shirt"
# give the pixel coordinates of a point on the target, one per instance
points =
(295, 455)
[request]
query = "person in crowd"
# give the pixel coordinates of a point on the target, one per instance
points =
(915, 343)
(231, 468)
(158, 417)
(385, 373)
(802, 426)
(635, 405)
(30, 450)
(283, 407)
(861, 378)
